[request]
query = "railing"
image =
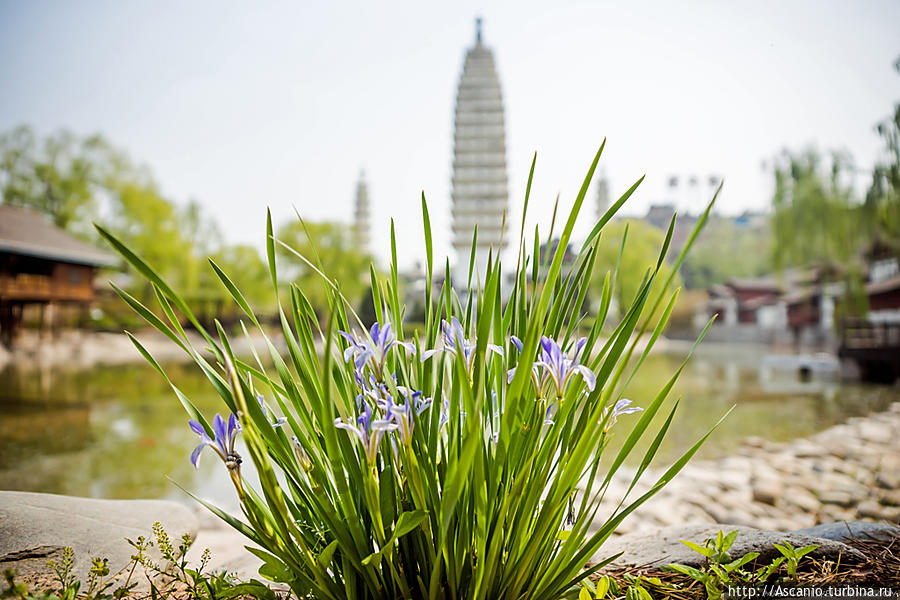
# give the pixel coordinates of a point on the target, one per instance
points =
(861, 334)
(33, 287)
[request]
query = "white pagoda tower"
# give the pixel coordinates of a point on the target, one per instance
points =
(602, 193)
(361, 215)
(479, 163)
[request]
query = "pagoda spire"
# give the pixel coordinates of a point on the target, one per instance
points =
(361, 215)
(602, 193)
(479, 195)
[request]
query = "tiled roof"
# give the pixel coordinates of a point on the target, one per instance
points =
(30, 233)
(880, 287)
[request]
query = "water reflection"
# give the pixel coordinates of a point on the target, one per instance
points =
(118, 432)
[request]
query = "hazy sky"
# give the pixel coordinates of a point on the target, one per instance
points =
(244, 105)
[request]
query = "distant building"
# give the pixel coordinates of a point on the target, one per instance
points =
(40, 264)
(873, 343)
(800, 305)
(479, 162)
(361, 215)
(659, 215)
(884, 300)
(747, 301)
(602, 194)
(547, 254)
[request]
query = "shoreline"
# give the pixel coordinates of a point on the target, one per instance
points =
(846, 472)
(85, 349)
(82, 348)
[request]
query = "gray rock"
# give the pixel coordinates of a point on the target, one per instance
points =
(35, 528)
(663, 546)
(888, 481)
(840, 498)
(734, 516)
(807, 449)
(889, 497)
(874, 431)
(767, 491)
(846, 530)
(802, 499)
(871, 509)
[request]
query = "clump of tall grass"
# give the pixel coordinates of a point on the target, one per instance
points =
(465, 463)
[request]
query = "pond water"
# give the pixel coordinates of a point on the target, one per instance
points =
(119, 432)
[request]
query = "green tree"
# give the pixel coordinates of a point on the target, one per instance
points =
(56, 175)
(244, 262)
(152, 226)
(725, 250)
(642, 247)
(818, 224)
(331, 247)
(202, 230)
(881, 209)
(815, 220)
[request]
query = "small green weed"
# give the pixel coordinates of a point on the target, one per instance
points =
(792, 556)
(721, 571)
(632, 587)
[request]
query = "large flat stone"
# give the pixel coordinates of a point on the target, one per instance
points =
(35, 528)
(845, 530)
(660, 547)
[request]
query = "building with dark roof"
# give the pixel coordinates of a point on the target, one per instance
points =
(40, 264)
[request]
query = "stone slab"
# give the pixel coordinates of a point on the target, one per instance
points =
(660, 547)
(35, 528)
(845, 530)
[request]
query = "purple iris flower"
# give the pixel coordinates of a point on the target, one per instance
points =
(453, 340)
(404, 414)
(279, 422)
(372, 349)
(560, 367)
(445, 414)
(557, 366)
(622, 407)
(368, 431)
(535, 367)
(222, 444)
(551, 412)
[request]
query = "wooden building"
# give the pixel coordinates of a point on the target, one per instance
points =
(873, 343)
(42, 265)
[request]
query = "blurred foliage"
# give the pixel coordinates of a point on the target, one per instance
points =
(152, 225)
(725, 250)
(881, 209)
(76, 180)
(55, 175)
(642, 247)
(245, 261)
(816, 221)
(332, 249)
